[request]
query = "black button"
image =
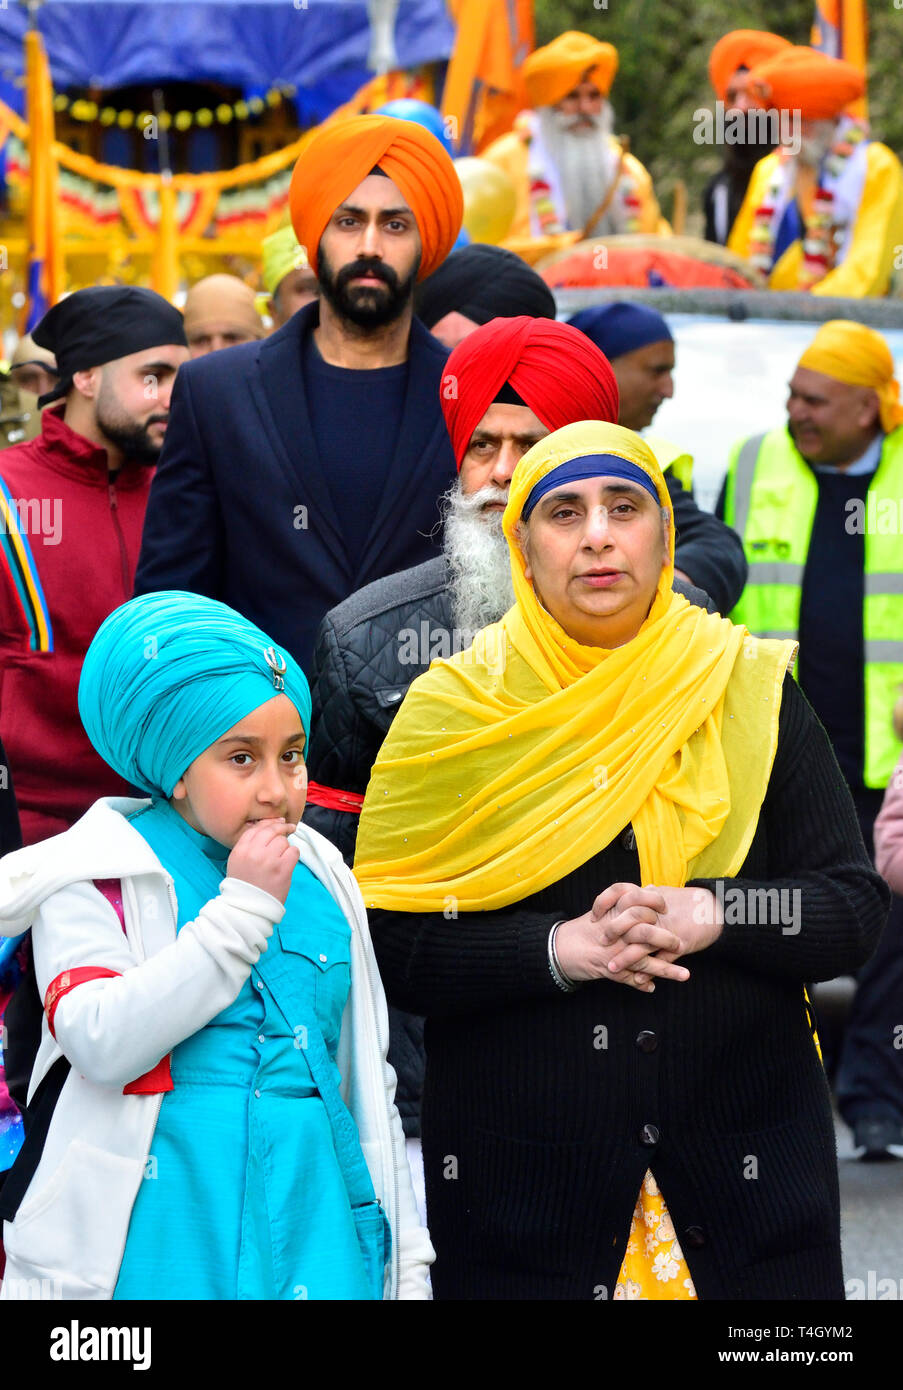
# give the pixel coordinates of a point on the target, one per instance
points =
(649, 1135)
(628, 839)
(646, 1041)
(694, 1237)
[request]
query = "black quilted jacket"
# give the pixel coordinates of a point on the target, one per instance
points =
(369, 649)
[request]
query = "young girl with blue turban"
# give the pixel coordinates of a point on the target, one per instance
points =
(206, 968)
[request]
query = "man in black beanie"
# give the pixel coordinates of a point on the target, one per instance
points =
(72, 505)
(476, 284)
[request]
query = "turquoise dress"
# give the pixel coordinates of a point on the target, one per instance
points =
(244, 1194)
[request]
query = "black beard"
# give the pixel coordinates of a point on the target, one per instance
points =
(133, 441)
(365, 306)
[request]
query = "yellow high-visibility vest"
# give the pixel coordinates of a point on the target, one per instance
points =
(770, 500)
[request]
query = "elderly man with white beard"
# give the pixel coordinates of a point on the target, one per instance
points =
(570, 171)
(505, 386)
(829, 218)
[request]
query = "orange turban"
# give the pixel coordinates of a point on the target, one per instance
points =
(858, 356)
(551, 72)
(743, 48)
(802, 79)
(345, 152)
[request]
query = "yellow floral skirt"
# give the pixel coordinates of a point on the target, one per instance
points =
(654, 1266)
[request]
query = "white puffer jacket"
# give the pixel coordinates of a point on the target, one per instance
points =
(69, 1233)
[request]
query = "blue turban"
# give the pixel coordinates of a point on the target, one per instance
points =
(619, 328)
(168, 674)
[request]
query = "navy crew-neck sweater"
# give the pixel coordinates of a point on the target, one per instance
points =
(356, 417)
(832, 653)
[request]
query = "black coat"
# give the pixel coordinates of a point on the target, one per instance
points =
(240, 509)
(361, 673)
(542, 1110)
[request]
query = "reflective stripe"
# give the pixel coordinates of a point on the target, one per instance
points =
(743, 481)
(789, 635)
(884, 583)
(884, 651)
(775, 572)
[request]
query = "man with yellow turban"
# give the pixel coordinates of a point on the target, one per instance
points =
(570, 171)
(729, 65)
(825, 212)
(287, 278)
(819, 506)
(308, 464)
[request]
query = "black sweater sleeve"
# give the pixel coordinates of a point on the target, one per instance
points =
(336, 737)
(826, 904)
(707, 550)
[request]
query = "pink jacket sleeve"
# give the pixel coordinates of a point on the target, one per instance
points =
(889, 832)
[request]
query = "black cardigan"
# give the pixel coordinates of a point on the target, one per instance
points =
(542, 1111)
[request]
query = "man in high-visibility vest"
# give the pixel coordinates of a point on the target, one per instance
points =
(819, 506)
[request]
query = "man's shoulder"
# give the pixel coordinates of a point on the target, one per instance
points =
(385, 596)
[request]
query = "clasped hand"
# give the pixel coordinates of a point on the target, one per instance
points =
(635, 935)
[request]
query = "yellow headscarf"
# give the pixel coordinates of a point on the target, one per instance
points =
(280, 253)
(513, 763)
(858, 356)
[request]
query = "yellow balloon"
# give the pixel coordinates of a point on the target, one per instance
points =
(490, 199)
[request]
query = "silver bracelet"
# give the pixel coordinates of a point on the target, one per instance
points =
(558, 975)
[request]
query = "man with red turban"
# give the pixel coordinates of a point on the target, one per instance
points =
(278, 488)
(823, 213)
(570, 171)
(729, 65)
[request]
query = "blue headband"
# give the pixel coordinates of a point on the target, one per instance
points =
(168, 674)
(589, 466)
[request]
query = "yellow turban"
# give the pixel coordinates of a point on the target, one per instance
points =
(858, 356)
(743, 48)
(218, 300)
(280, 253)
(345, 152)
(551, 72)
(510, 765)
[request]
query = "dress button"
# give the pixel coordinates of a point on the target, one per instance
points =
(257, 1094)
(260, 1037)
(259, 984)
(649, 1135)
(647, 1041)
(628, 839)
(322, 958)
(694, 1237)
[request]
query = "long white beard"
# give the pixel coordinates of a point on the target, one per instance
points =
(585, 163)
(816, 143)
(477, 555)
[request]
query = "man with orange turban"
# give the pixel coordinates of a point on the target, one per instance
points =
(825, 212)
(570, 171)
(818, 506)
(729, 65)
(308, 464)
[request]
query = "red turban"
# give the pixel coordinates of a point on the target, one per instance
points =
(345, 152)
(554, 368)
(805, 80)
(743, 48)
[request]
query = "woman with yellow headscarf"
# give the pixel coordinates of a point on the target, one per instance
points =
(602, 850)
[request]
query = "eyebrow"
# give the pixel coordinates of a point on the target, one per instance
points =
(486, 437)
(255, 741)
(610, 489)
(384, 212)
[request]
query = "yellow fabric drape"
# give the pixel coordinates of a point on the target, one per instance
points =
(877, 232)
(510, 765)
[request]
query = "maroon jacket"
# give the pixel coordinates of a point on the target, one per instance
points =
(69, 542)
